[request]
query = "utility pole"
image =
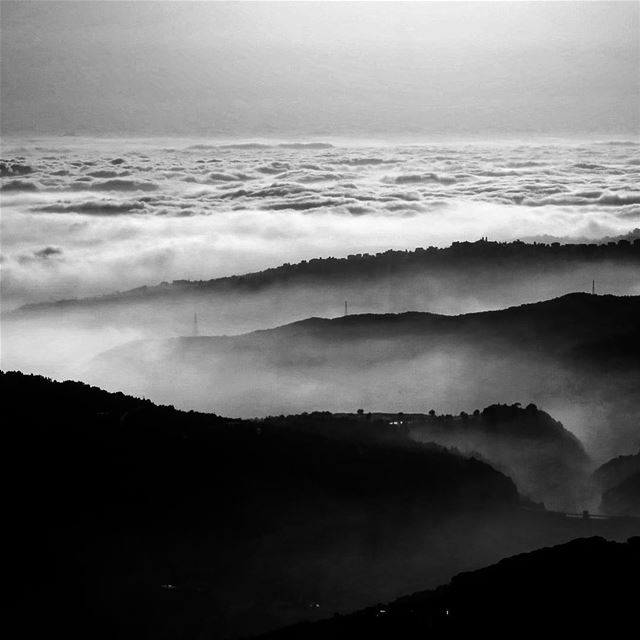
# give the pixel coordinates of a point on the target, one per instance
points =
(593, 287)
(346, 308)
(195, 324)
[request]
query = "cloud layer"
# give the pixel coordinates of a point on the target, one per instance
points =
(121, 214)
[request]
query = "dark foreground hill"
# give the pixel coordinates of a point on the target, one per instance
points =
(585, 587)
(131, 520)
(578, 355)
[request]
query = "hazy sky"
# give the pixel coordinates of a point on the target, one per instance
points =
(296, 69)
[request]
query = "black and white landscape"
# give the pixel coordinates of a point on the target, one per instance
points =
(312, 307)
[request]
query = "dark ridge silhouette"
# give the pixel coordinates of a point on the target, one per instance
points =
(132, 520)
(623, 499)
(550, 319)
(586, 586)
(272, 451)
(573, 323)
(528, 445)
(479, 261)
(104, 475)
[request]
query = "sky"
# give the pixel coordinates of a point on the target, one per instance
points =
(317, 69)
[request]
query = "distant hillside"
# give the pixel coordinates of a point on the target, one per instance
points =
(460, 256)
(548, 353)
(57, 338)
(463, 278)
(571, 323)
(587, 586)
(547, 462)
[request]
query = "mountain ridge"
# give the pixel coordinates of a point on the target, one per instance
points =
(368, 266)
(577, 354)
(416, 320)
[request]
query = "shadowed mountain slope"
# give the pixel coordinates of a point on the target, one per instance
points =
(114, 497)
(132, 520)
(586, 586)
(549, 353)
(85, 432)
(573, 322)
(547, 462)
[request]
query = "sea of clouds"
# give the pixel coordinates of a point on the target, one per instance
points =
(84, 217)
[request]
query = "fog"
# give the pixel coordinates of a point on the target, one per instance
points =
(106, 255)
(300, 368)
(60, 341)
(303, 376)
(87, 217)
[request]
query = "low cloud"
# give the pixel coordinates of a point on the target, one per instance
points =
(266, 205)
(105, 173)
(122, 185)
(19, 185)
(587, 198)
(94, 208)
(48, 252)
(227, 177)
(424, 178)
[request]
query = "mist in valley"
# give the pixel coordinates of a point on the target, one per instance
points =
(57, 339)
(405, 363)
